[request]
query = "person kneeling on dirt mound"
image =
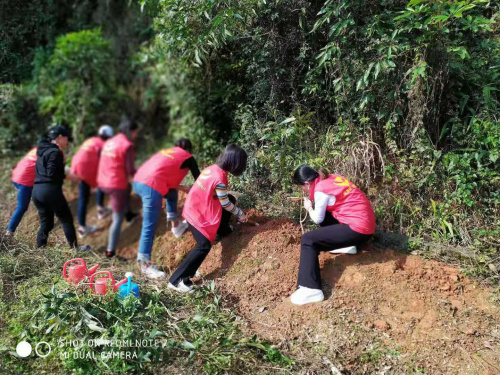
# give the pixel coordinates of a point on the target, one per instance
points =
(208, 210)
(84, 165)
(346, 218)
(48, 195)
(116, 168)
(160, 176)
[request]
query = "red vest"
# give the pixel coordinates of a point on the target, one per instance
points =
(86, 161)
(162, 171)
(112, 172)
(202, 208)
(24, 172)
(351, 205)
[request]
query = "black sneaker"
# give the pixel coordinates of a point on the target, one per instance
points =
(131, 218)
(224, 233)
(112, 254)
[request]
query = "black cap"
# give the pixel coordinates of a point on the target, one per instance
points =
(56, 131)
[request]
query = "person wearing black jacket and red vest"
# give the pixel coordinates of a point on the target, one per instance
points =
(47, 195)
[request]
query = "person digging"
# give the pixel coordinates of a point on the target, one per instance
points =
(346, 219)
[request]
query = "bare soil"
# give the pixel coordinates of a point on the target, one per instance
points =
(385, 312)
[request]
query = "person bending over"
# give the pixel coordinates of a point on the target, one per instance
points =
(23, 179)
(84, 166)
(116, 169)
(160, 176)
(346, 218)
(208, 211)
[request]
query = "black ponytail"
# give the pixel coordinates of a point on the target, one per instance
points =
(323, 173)
(304, 174)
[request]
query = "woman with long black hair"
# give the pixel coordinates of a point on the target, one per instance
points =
(207, 210)
(47, 195)
(345, 216)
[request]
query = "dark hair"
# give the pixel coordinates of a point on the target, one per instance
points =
(184, 143)
(233, 160)
(127, 126)
(55, 131)
(304, 174)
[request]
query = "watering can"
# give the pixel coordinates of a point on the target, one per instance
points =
(103, 284)
(77, 271)
(129, 288)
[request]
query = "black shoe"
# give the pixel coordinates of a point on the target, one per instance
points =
(131, 217)
(112, 254)
(223, 233)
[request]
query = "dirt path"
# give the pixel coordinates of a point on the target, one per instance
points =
(385, 312)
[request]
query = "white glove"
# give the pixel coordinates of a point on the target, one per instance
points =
(307, 204)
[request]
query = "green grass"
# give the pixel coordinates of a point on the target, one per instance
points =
(177, 333)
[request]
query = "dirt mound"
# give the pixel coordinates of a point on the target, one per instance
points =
(384, 311)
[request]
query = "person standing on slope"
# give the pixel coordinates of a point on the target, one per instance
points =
(208, 210)
(346, 218)
(160, 176)
(48, 196)
(23, 179)
(84, 165)
(116, 169)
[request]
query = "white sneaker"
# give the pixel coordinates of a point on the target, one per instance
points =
(151, 271)
(88, 229)
(345, 250)
(103, 212)
(303, 296)
(180, 229)
(181, 287)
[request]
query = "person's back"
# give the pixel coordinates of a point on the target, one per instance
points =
(48, 196)
(24, 172)
(86, 161)
(49, 167)
(112, 172)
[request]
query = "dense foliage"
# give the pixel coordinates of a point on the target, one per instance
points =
(401, 97)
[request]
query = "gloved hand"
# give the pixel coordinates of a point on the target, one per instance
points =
(307, 204)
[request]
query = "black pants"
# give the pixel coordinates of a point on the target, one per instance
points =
(332, 235)
(49, 200)
(188, 267)
(84, 190)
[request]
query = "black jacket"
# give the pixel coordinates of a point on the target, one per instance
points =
(49, 164)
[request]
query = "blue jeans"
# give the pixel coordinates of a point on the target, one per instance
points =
(151, 208)
(23, 201)
(172, 197)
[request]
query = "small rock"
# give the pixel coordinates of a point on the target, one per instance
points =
(262, 309)
(470, 331)
(493, 267)
(382, 325)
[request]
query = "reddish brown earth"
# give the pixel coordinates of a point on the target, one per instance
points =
(385, 312)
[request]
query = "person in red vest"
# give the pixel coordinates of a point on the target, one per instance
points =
(23, 179)
(346, 218)
(160, 176)
(116, 169)
(208, 210)
(84, 166)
